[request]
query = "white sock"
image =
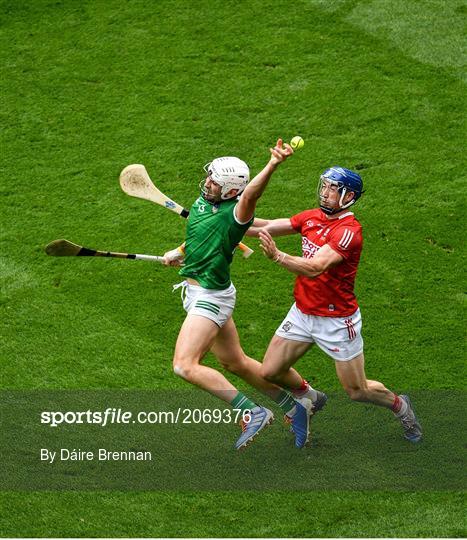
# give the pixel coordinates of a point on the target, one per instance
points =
(404, 408)
(310, 393)
(291, 412)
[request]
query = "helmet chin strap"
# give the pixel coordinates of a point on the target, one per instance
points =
(341, 200)
(204, 193)
(202, 188)
(329, 211)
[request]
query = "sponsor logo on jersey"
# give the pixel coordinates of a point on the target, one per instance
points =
(321, 228)
(308, 248)
(201, 208)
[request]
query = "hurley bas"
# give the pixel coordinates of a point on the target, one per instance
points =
(102, 454)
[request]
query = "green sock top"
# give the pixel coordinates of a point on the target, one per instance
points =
(240, 401)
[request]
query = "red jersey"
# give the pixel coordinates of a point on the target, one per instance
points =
(331, 294)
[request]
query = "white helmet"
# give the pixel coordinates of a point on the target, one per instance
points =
(229, 173)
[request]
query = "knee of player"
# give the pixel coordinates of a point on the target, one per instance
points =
(181, 370)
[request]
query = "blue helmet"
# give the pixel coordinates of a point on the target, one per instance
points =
(346, 181)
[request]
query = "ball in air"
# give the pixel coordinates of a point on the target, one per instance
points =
(297, 142)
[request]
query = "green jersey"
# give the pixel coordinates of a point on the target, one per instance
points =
(211, 236)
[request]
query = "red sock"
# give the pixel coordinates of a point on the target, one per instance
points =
(396, 406)
(302, 389)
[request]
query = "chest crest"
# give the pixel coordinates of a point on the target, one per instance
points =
(321, 229)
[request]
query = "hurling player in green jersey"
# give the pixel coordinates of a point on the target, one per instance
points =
(218, 220)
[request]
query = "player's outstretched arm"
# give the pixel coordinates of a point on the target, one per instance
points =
(324, 259)
(275, 227)
(246, 206)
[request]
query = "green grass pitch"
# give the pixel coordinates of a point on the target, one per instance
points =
(89, 87)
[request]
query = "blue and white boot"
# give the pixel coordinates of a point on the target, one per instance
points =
(300, 421)
(260, 417)
(299, 424)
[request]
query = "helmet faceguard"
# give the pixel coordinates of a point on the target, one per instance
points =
(346, 181)
(229, 173)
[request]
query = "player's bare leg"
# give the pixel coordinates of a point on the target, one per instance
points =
(352, 377)
(277, 367)
(194, 340)
(229, 352)
(279, 358)
(190, 351)
(226, 347)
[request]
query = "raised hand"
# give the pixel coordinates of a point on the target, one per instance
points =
(280, 152)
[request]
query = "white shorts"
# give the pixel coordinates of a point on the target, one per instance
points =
(338, 337)
(215, 305)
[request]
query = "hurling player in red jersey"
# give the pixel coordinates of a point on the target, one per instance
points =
(326, 311)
